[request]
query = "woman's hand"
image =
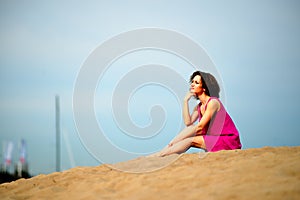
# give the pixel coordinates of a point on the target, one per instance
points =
(189, 95)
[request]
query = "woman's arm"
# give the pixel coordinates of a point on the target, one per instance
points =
(194, 115)
(187, 117)
(212, 107)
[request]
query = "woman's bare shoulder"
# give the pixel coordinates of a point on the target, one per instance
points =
(214, 103)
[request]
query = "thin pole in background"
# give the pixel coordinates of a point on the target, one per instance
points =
(57, 124)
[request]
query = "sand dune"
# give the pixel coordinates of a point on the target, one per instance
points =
(262, 173)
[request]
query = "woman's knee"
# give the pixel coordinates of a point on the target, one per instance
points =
(198, 141)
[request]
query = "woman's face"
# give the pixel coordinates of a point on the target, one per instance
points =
(196, 85)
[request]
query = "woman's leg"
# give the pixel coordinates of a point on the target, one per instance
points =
(179, 147)
(187, 132)
(183, 145)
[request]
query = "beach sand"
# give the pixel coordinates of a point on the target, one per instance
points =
(261, 173)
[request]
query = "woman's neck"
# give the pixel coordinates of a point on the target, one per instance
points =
(203, 98)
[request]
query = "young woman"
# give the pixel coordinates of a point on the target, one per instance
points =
(214, 130)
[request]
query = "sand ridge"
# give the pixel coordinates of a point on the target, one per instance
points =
(261, 173)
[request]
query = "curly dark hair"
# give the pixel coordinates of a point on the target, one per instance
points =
(209, 83)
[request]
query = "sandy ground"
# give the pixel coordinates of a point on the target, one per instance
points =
(262, 173)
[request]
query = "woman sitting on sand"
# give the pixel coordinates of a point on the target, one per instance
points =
(215, 129)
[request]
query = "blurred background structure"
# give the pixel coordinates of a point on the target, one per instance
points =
(13, 169)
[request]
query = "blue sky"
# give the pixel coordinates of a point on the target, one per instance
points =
(254, 45)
